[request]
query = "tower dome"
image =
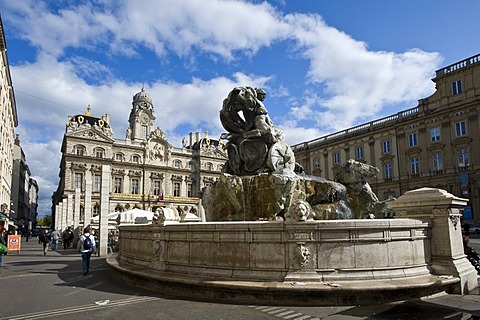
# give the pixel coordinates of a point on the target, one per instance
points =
(142, 96)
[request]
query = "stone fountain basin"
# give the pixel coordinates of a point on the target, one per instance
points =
(390, 258)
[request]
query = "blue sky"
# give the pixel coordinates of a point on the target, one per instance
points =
(326, 65)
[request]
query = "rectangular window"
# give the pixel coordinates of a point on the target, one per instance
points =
(387, 146)
(134, 186)
(119, 157)
(117, 185)
(144, 131)
(176, 189)
(97, 180)
(457, 87)
(437, 162)
(316, 163)
(414, 165)
(461, 128)
(80, 151)
(79, 181)
(189, 190)
(156, 187)
(336, 158)
(435, 134)
(387, 170)
(463, 160)
(359, 152)
(99, 153)
(412, 140)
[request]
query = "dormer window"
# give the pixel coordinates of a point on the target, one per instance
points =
(177, 163)
(99, 153)
(80, 150)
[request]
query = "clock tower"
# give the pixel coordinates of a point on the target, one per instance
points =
(141, 117)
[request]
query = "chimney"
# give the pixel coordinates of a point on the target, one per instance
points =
(190, 136)
(198, 136)
(17, 140)
(106, 118)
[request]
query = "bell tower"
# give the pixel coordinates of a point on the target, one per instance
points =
(141, 119)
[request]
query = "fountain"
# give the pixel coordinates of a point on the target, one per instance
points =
(275, 235)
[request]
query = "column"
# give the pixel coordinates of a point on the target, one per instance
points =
(76, 217)
(104, 210)
(70, 210)
(64, 214)
(57, 218)
(88, 199)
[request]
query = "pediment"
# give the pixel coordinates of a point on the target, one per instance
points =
(413, 150)
(213, 152)
(436, 146)
(461, 141)
(90, 134)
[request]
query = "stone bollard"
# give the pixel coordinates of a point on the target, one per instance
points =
(446, 245)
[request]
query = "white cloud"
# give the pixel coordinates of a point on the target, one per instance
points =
(345, 82)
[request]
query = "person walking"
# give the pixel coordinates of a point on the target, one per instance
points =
(55, 235)
(86, 245)
(67, 238)
(3, 241)
(45, 238)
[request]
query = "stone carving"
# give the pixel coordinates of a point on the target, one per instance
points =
(355, 176)
(163, 215)
(254, 144)
(302, 255)
(300, 210)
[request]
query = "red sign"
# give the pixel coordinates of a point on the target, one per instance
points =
(14, 243)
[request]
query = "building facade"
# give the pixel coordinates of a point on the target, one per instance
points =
(142, 170)
(24, 191)
(8, 123)
(436, 144)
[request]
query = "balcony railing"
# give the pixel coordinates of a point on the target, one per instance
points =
(458, 65)
(370, 126)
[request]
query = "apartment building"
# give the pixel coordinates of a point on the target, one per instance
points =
(435, 144)
(8, 123)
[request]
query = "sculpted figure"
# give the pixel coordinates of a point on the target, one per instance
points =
(299, 211)
(254, 144)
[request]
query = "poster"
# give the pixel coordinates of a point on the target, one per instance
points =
(14, 243)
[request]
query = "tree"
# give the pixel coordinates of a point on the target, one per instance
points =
(45, 221)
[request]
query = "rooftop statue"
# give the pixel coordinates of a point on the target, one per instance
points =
(254, 144)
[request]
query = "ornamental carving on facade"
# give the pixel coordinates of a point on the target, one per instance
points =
(157, 175)
(302, 255)
(78, 166)
(134, 173)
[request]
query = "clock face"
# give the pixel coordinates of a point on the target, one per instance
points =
(144, 118)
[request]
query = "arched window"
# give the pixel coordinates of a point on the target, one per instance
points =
(80, 150)
(177, 164)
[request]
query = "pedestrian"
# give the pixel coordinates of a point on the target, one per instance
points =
(55, 235)
(67, 238)
(45, 238)
(3, 241)
(86, 245)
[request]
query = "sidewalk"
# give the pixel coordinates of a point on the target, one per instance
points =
(31, 259)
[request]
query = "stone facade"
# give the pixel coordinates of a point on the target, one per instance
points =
(436, 144)
(417, 254)
(8, 123)
(145, 170)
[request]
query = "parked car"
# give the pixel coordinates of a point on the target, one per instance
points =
(474, 230)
